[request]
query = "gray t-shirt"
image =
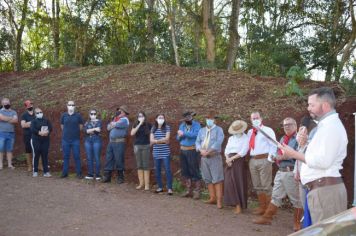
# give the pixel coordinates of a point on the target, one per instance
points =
(4, 125)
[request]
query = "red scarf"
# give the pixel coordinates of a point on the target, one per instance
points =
(116, 119)
(286, 139)
(252, 139)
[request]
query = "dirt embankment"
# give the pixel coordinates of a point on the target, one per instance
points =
(168, 89)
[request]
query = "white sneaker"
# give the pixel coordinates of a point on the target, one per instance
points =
(35, 174)
(89, 177)
(47, 174)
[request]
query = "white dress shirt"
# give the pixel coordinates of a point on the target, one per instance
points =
(262, 144)
(326, 151)
(237, 144)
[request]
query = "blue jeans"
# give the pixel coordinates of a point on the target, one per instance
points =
(67, 146)
(115, 156)
(7, 140)
(167, 167)
(93, 150)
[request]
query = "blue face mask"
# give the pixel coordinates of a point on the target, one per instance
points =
(209, 122)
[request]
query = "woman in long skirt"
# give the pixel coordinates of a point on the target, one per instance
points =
(235, 187)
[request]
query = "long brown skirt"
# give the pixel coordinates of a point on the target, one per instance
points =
(235, 185)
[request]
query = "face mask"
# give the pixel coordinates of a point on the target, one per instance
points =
(141, 119)
(93, 117)
(188, 122)
(160, 121)
(256, 123)
(7, 106)
(39, 115)
(209, 122)
(118, 113)
(70, 109)
(30, 109)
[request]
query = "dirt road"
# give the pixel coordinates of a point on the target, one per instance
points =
(54, 206)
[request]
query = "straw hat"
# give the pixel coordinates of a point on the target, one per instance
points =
(124, 109)
(237, 127)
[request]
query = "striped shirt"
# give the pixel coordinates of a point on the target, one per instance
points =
(161, 151)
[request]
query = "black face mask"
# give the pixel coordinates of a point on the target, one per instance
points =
(7, 106)
(118, 113)
(189, 122)
(30, 109)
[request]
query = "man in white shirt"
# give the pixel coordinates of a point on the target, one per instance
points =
(261, 149)
(322, 161)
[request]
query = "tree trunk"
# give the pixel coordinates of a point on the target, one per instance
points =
(55, 31)
(234, 39)
(171, 12)
(208, 29)
(150, 45)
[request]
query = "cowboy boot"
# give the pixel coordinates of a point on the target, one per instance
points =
(196, 191)
(146, 175)
(267, 217)
(140, 179)
(262, 204)
(188, 188)
(219, 194)
(298, 213)
(212, 195)
(107, 177)
(29, 162)
(120, 176)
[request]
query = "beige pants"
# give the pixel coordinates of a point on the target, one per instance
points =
(327, 201)
(261, 175)
(285, 185)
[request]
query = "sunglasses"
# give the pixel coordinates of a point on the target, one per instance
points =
(39, 113)
(71, 105)
(92, 114)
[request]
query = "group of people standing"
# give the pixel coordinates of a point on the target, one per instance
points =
(308, 159)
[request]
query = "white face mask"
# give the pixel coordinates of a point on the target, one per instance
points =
(256, 123)
(160, 121)
(39, 115)
(93, 117)
(141, 119)
(70, 109)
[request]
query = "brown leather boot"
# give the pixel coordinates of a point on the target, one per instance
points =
(298, 213)
(196, 191)
(219, 195)
(267, 217)
(237, 209)
(29, 162)
(262, 204)
(212, 195)
(188, 188)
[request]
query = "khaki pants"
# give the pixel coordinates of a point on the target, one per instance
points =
(261, 175)
(285, 185)
(327, 201)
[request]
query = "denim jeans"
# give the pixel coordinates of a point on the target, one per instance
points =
(93, 146)
(67, 146)
(115, 156)
(167, 166)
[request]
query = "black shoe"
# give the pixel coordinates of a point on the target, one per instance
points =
(64, 176)
(79, 176)
(107, 178)
(120, 181)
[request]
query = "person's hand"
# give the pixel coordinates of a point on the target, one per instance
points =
(180, 133)
(97, 129)
(281, 157)
(229, 164)
(204, 153)
(302, 136)
(297, 177)
(287, 150)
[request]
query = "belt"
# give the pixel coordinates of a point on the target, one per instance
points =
(322, 182)
(260, 156)
(117, 140)
(286, 169)
(187, 148)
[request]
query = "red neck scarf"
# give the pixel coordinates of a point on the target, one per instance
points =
(286, 139)
(252, 139)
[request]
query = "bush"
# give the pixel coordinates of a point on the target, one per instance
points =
(292, 88)
(296, 73)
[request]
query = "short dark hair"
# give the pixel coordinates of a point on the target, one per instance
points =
(326, 94)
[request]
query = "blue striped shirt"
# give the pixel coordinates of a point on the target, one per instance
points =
(161, 151)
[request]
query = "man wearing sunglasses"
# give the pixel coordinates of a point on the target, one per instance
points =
(71, 125)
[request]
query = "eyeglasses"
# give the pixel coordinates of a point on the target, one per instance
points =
(287, 125)
(71, 105)
(92, 114)
(39, 112)
(140, 116)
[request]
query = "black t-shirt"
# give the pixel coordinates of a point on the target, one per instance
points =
(142, 136)
(27, 117)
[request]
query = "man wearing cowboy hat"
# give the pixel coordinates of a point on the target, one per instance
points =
(284, 182)
(209, 143)
(189, 157)
(261, 149)
(115, 152)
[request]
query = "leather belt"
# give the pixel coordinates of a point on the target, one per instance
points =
(187, 148)
(260, 156)
(286, 169)
(322, 182)
(117, 140)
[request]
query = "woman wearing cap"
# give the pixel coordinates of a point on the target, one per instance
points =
(93, 144)
(235, 193)
(159, 138)
(41, 128)
(141, 130)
